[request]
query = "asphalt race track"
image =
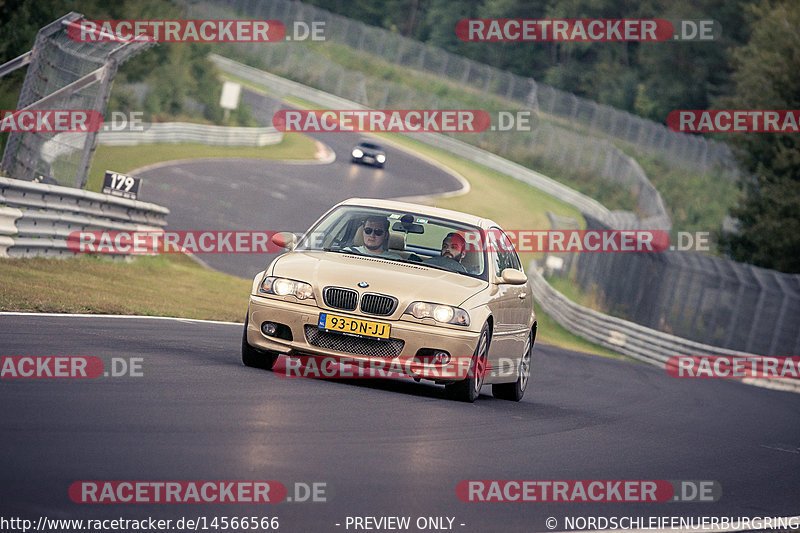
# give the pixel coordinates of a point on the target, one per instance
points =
(382, 447)
(260, 195)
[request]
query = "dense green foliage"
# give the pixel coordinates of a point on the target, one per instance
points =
(179, 77)
(650, 79)
(768, 77)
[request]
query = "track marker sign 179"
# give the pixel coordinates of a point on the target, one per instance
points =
(117, 184)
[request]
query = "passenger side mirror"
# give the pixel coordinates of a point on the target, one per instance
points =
(513, 276)
(284, 239)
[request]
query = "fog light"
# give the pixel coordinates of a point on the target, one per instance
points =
(269, 328)
(440, 358)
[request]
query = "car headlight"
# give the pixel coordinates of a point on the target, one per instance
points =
(286, 287)
(357, 153)
(445, 314)
(380, 158)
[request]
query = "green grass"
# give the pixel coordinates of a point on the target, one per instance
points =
(126, 158)
(166, 285)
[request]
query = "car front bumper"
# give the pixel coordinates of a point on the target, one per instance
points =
(407, 340)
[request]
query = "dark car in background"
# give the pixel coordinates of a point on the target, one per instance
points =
(369, 153)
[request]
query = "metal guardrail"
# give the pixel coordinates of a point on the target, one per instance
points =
(35, 219)
(628, 338)
(164, 132)
(180, 132)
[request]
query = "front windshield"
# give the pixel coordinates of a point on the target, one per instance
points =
(400, 236)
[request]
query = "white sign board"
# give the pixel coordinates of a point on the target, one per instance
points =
(229, 99)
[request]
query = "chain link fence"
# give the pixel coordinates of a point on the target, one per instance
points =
(696, 296)
(63, 75)
(551, 144)
(565, 109)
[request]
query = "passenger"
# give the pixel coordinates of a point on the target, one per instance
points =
(376, 238)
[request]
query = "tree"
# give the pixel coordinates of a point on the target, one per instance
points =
(767, 76)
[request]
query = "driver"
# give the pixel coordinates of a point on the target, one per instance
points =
(454, 248)
(376, 238)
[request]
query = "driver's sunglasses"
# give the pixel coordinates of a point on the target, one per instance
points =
(378, 231)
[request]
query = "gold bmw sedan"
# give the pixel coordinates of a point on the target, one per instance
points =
(428, 293)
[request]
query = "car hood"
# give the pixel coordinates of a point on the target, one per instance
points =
(406, 282)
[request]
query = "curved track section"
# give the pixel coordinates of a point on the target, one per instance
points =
(383, 447)
(261, 195)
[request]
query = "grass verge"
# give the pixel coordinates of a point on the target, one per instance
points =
(166, 285)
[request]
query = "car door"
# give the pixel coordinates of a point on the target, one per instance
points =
(508, 339)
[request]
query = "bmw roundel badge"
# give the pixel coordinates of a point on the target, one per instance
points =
(363, 284)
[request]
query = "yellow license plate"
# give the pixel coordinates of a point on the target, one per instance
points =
(354, 326)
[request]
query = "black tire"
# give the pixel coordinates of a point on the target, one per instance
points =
(516, 390)
(253, 357)
(468, 389)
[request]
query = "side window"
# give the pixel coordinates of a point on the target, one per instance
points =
(505, 256)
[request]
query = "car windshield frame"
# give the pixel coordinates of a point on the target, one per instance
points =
(344, 221)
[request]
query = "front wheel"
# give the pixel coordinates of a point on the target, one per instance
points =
(253, 357)
(468, 390)
(516, 390)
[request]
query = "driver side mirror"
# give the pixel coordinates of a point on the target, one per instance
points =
(513, 276)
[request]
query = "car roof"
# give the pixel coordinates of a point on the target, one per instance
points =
(422, 210)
